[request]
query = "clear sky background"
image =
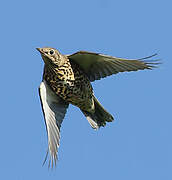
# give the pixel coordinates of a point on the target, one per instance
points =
(138, 145)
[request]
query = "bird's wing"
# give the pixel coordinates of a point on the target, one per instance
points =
(54, 110)
(98, 66)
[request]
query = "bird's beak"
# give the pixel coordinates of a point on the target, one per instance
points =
(39, 49)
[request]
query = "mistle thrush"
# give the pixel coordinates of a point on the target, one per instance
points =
(67, 79)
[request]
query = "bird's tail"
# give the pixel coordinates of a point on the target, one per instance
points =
(99, 117)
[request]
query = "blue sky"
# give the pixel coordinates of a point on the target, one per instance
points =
(138, 144)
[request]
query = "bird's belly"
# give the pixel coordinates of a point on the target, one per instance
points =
(72, 85)
(77, 93)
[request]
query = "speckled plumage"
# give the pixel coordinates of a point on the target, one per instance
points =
(71, 84)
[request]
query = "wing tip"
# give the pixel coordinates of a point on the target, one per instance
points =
(151, 63)
(52, 160)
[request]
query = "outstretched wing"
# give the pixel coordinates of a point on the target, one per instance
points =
(54, 110)
(98, 66)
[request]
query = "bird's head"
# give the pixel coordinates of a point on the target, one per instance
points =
(51, 56)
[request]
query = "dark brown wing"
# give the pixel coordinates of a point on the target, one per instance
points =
(98, 66)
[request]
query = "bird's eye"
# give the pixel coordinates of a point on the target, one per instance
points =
(51, 52)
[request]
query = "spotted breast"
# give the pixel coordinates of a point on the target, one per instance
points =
(71, 84)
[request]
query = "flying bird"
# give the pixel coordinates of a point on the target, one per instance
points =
(67, 80)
